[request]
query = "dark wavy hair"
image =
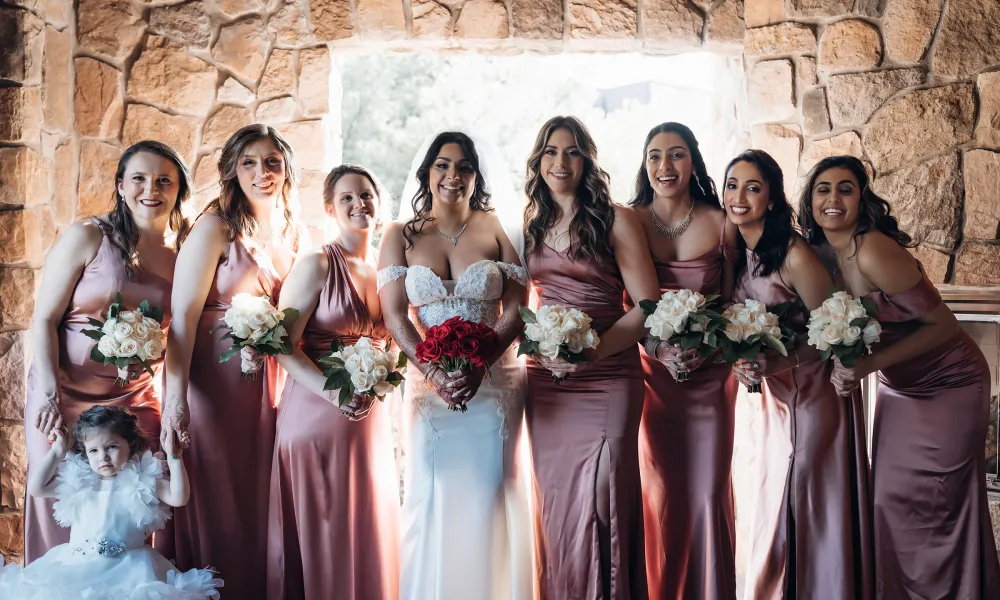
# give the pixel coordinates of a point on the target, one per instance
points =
(595, 215)
(124, 231)
(774, 242)
(701, 186)
(232, 205)
(120, 421)
(874, 211)
(422, 200)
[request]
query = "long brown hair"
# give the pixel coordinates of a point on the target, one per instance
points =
(422, 200)
(124, 231)
(595, 215)
(232, 205)
(875, 211)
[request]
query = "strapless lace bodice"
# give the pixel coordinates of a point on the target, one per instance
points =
(474, 296)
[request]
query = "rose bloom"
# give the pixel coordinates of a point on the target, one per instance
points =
(127, 349)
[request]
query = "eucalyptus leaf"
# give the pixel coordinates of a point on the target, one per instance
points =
(526, 315)
(233, 351)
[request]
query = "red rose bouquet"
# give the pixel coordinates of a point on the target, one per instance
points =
(458, 344)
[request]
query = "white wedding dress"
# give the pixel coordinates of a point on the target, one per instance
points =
(466, 527)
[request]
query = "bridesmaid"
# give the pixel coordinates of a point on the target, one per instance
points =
(584, 252)
(811, 527)
(129, 250)
(686, 432)
(244, 242)
(333, 524)
(932, 527)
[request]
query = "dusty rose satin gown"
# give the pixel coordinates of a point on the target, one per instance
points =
(685, 460)
(569, 424)
(811, 534)
(932, 527)
(333, 530)
(84, 383)
(224, 524)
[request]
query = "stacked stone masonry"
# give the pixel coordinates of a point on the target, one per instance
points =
(910, 86)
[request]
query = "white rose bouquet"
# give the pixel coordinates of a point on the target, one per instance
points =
(686, 319)
(555, 331)
(255, 327)
(127, 337)
(362, 368)
(845, 327)
(750, 328)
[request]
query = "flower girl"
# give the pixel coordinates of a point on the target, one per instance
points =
(112, 492)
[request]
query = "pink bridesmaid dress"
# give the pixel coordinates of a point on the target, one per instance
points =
(84, 383)
(333, 530)
(811, 534)
(224, 524)
(569, 425)
(685, 459)
(933, 537)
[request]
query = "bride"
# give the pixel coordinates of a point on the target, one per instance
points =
(466, 530)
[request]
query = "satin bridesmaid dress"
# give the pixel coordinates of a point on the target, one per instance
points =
(685, 459)
(224, 524)
(933, 537)
(569, 425)
(84, 383)
(333, 530)
(811, 533)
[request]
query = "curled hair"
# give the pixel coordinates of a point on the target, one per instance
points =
(116, 419)
(772, 247)
(422, 200)
(123, 231)
(874, 211)
(232, 205)
(595, 215)
(701, 186)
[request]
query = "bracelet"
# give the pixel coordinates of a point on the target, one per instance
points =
(651, 345)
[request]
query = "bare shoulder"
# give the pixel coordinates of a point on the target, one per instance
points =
(312, 263)
(885, 264)
(392, 234)
(626, 220)
(82, 236)
(209, 225)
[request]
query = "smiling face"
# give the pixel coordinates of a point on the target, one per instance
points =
(669, 165)
(261, 171)
(562, 163)
(452, 178)
(836, 200)
(150, 186)
(354, 203)
(106, 452)
(746, 195)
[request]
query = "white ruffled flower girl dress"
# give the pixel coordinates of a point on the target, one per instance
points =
(107, 557)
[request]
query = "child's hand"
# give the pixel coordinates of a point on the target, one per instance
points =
(58, 441)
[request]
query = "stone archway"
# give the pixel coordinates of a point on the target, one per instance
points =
(913, 88)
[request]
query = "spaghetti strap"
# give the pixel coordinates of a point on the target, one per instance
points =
(722, 233)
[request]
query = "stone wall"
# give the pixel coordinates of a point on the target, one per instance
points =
(908, 85)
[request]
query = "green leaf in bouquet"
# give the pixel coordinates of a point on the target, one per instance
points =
(93, 334)
(775, 344)
(147, 368)
(869, 305)
(526, 315)
(780, 310)
(345, 395)
(750, 351)
(333, 361)
(218, 327)
(711, 341)
(291, 315)
(713, 315)
(691, 340)
(394, 378)
(527, 347)
(336, 345)
(729, 352)
(113, 311)
(337, 379)
(573, 358)
(850, 359)
(233, 351)
(859, 322)
(401, 361)
(156, 314)
(144, 308)
(647, 307)
(826, 354)
(95, 323)
(96, 355)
